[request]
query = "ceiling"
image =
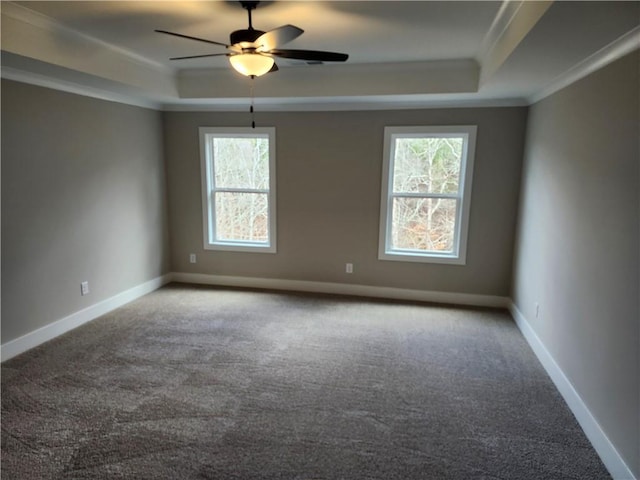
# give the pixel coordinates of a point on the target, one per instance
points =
(401, 54)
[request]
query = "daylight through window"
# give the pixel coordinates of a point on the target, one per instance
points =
(425, 193)
(238, 185)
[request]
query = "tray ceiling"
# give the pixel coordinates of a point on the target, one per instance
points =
(401, 54)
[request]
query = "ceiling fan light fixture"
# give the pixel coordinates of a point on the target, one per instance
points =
(251, 64)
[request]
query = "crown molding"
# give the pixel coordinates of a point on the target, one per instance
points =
(417, 85)
(513, 22)
(31, 78)
(503, 18)
(35, 43)
(39, 20)
(299, 104)
(606, 55)
(338, 104)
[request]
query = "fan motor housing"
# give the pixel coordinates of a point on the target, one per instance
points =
(240, 36)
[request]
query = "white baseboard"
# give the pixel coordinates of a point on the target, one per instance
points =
(344, 289)
(48, 332)
(598, 438)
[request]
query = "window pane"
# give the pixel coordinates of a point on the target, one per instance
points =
(241, 162)
(426, 224)
(242, 217)
(427, 165)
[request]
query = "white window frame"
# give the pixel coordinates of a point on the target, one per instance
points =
(463, 198)
(207, 134)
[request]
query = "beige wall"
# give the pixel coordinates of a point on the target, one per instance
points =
(577, 251)
(328, 193)
(83, 198)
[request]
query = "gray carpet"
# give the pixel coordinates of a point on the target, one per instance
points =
(193, 382)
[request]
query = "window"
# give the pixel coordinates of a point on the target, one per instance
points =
(238, 188)
(426, 188)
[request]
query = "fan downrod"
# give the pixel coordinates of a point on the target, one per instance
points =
(248, 6)
(248, 35)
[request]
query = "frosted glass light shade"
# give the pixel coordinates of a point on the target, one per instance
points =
(251, 63)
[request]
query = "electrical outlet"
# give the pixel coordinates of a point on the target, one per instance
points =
(349, 268)
(192, 258)
(84, 288)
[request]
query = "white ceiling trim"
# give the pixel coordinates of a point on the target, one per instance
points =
(48, 24)
(123, 76)
(512, 24)
(615, 50)
(45, 81)
(504, 17)
(31, 38)
(292, 104)
(338, 104)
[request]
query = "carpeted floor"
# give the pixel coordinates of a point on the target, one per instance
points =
(202, 383)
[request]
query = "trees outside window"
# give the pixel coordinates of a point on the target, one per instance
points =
(426, 190)
(238, 188)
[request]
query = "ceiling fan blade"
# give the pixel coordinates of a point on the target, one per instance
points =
(274, 68)
(201, 56)
(310, 55)
(278, 36)
(192, 38)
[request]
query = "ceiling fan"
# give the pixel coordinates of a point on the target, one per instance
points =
(252, 52)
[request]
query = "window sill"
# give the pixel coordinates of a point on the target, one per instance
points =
(241, 247)
(403, 256)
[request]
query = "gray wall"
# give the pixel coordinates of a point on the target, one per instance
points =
(577, 249)
(328, 193)
(83, 198)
